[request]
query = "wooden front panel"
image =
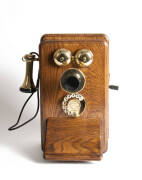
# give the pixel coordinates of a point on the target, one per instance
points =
(96, 87)
(77, 139)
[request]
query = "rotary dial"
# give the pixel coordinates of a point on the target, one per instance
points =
(73, 104)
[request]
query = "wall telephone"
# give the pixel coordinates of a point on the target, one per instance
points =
(74, 83)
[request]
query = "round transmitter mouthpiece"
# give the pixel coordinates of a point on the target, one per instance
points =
(72, 80)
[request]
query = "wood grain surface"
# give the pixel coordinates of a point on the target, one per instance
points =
(95, 90)
(71, 138)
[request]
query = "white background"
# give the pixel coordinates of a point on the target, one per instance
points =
(22, 23)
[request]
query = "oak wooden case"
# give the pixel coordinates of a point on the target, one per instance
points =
(85, 137)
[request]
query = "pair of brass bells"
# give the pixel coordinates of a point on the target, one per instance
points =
(63, 57)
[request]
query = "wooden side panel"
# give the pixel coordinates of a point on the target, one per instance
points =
(68, 139)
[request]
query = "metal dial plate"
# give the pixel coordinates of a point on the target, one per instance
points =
(73, 104)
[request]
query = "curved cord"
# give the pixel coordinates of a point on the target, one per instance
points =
(14, 127)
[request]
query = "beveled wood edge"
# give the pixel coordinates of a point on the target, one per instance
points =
(71, 158)
(106, 115)
(55, 37)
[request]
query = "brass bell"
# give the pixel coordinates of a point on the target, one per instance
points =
(28, 84)
(84, 57)
(62, 57)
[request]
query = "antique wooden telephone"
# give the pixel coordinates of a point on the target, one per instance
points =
(74, 83)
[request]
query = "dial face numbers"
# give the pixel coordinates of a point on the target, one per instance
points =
(73, 104)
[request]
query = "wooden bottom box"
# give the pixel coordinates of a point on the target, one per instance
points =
(73, 139)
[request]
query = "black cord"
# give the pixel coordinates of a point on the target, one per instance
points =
(14, 127)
